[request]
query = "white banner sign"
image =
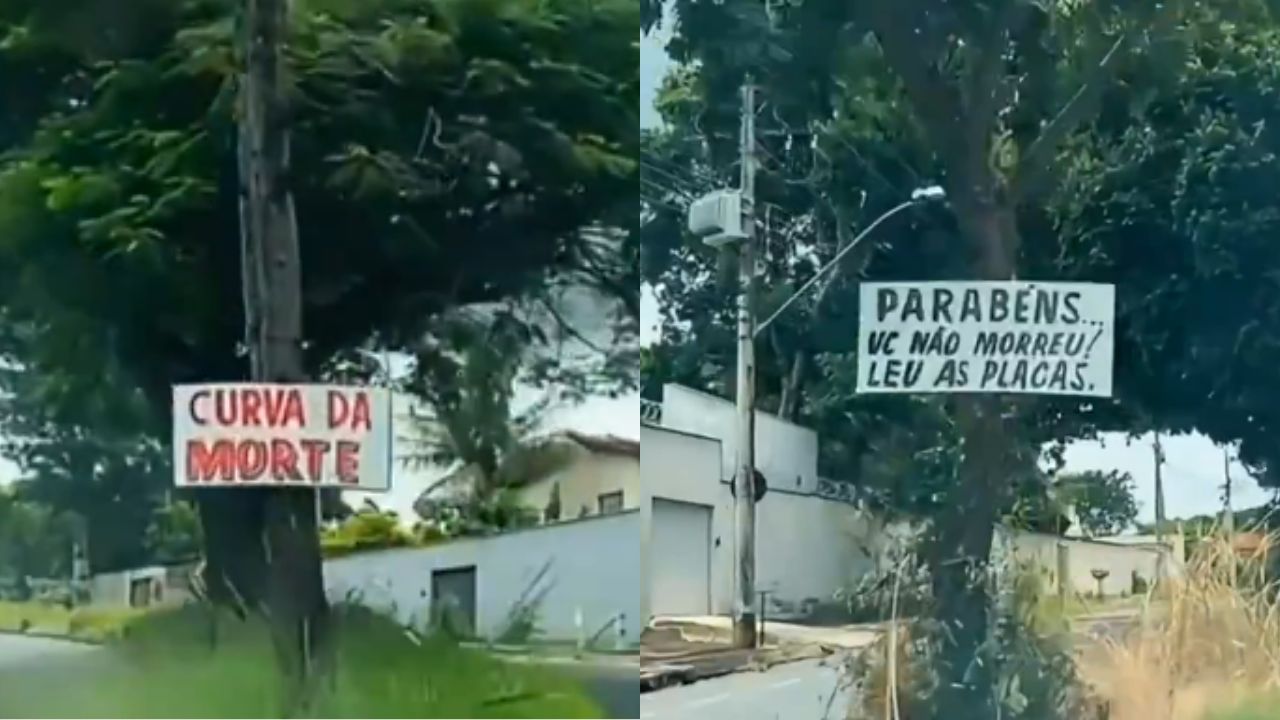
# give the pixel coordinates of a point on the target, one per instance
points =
(1040, 338)
(251, 434)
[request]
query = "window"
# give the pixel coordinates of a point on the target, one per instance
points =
(611, 503)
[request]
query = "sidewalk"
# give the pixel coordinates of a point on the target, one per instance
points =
(688, 649)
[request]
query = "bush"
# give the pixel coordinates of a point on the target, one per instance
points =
(365, 531)
(1208, 645)
(1027, 658)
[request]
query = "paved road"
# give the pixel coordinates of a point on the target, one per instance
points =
(795, 691)
(17, 651)
(616, 688)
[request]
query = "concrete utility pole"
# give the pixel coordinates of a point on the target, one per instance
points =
(272, 286)
(1228, 515)
(744, 621)
(1159, 460)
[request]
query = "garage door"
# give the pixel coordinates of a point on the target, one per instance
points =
(681, 558)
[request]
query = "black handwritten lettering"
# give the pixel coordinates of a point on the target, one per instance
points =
(886, 302)
(920, 342)
(1024, 343)
(1022, 306)
(971, 310)
(1071, 315)
(881, 343)
(913, 308)
(896, 374)
(942, 299)
(999, 311)
(954, 373)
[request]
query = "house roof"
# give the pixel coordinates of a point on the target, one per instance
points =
(605, 444)
(459, 483)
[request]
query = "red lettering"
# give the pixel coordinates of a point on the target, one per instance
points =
(284, 406)
(191, 407)
(348, 454)
(225, 407)
(284, 461)
(250, 406)
(337, 409)
(203, 463)
(252, 459)
(315, 451)
(360, 419)
(293, 410)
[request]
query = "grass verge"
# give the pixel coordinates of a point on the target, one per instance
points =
(1210, 654)
(193, 663)
(94, 624)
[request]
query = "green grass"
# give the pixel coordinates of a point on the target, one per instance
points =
(96, 624)
(167, 667)
(1260, 708)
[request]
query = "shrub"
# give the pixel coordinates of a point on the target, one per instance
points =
(364, 531)
(1027, 658)
(1211, 642)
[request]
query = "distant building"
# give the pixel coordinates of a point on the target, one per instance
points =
(573, 475)
(1251, 545)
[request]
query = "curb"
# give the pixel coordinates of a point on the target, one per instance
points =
(42, 635)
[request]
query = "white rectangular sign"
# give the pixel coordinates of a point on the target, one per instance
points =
(1042, 338)
(254, 434)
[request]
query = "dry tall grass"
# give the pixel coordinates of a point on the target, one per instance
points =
(1210, 642)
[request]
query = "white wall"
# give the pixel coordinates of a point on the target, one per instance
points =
(595, 567)
(685, 467)
(1083, 557)
(787, 454)
(807, 547)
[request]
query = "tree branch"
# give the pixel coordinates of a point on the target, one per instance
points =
(937, 103)
(983, 96)
(1035, 163)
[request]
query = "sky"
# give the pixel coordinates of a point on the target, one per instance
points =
(1193, 472)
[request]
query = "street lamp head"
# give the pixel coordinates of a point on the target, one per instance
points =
(927, 194)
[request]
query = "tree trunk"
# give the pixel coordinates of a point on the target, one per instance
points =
(292, 590)
(960, 561)
(792, 384)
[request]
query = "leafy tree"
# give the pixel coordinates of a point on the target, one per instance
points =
(1103, 501)
(446, 153)
(35, 541)
(174, 535)
(471, 421)
(367, 529)
(1127, 143)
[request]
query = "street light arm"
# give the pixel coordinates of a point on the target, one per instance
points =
(834, 261)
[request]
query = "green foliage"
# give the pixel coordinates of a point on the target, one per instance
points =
(446, 153)
(472, 514)
(175, 535)
(364, 531)
(1103, 501)
(165, 667)
(1027, 657)
(1119, 142)
(85, 623)
(35, 541)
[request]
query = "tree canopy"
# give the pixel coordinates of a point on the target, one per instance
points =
(1109, 142)
(446, 153)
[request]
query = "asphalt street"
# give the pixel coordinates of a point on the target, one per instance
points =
(795, 691)
(17, 651)
(615, 687)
